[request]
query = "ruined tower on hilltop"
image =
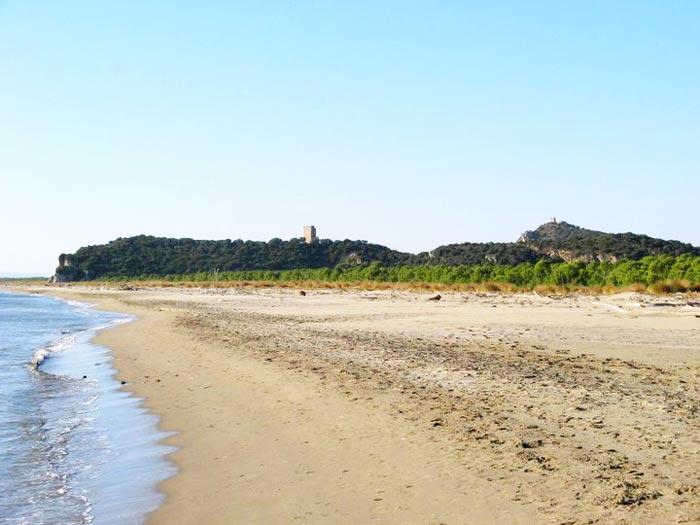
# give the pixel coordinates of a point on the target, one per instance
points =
(309, 234)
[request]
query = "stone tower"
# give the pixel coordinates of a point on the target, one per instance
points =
(309, 234)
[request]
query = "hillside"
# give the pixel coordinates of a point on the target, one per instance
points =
(479, 253)
(158, 256)
(564, 241)
(141, 255)
(561, 241)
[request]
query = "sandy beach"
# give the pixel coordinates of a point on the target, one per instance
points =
(385, 407)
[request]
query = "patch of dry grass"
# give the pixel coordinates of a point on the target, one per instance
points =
(666, 287)
(674, 286)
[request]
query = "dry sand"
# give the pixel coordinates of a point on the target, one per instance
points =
(357, 407)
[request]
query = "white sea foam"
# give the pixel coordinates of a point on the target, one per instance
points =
(45, 352)
(75, 304)
(64, 343)
(114, 322)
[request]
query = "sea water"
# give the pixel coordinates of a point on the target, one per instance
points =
(74, 446)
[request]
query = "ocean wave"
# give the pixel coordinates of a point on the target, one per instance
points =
(89, 307)
(114, 322)
(69, 340)
(75, 304)
(45, 352)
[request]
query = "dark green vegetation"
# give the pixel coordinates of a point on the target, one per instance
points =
(573, 242)
(160, 256)
(671, 273)
(560, 241)
(554, 253)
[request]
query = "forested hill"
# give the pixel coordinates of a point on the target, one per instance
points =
(141, 255)
(561, 240)
(157, 256)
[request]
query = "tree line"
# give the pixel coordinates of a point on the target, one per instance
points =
(647, 271)
(147, 255)
(133, 256)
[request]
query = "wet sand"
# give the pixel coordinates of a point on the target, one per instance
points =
(356, 407)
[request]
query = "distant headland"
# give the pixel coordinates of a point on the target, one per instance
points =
(551, 243)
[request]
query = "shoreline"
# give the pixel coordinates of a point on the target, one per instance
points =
(115, 306)
(118, 338)
(104, 338)
(93, 469)
(290, 408)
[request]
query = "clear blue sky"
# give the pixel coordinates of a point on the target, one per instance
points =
(411, 124)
